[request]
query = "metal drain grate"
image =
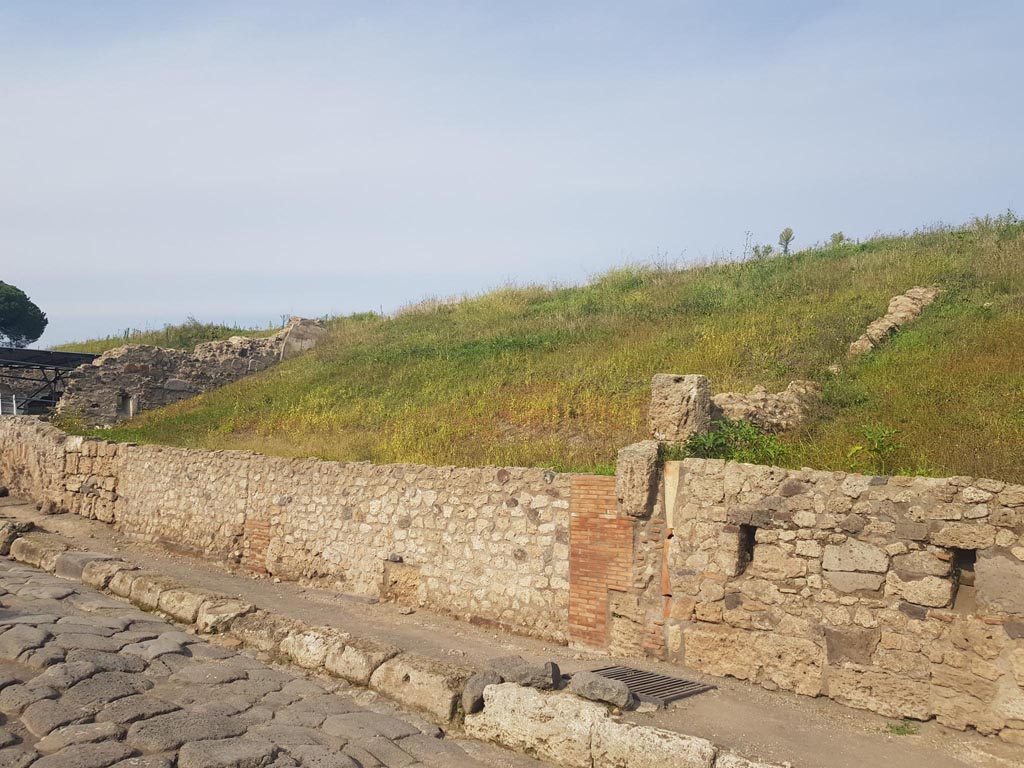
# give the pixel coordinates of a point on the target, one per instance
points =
(657, 689)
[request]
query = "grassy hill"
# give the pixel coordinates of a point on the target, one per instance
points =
(560, 377)
(183, 336)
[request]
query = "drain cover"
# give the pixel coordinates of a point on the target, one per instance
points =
(657, 689)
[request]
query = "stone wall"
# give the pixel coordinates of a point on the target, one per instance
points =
(900, 595)
(489, 545)
(125, 381)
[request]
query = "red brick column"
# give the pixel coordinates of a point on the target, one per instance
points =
(600, 556)
(255, 540)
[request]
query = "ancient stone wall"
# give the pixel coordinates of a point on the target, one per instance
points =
(488, 545)
(125, 381)
(900, 595)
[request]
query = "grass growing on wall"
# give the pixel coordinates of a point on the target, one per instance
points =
(560, 377)
(184, 336)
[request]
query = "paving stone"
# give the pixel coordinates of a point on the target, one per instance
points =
(210, 652)
(289, 735)
(245, 752)
(45, 716)
(45, 592)
(361, 757)
(85, 733)
(152, 649)
(437, 753)
(18, 639)
(133, 636)
(86, 756)
(105, 687)
(14, 698)
(7, 738)
(17, 757)
(355, 726)
(43, 658)
(224, 705)
(256, 715)
(167, 732)
(62, 676)
(208, 673)
(166, 665)
(131, 709)
(303, 688)
(87, 642)
(60, 629)
(94, 603)
(323, 757)
(313, 711)
(147, 761)
(254, 690)
(389, 753)
(13, 619)
(111, 662)
(113, 623)
(8, 679)
(280, 699)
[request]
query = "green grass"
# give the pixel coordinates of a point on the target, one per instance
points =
(903, 728)
(560, 377)
(183, 336)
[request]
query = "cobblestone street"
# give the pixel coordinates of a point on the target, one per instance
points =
(90, 682)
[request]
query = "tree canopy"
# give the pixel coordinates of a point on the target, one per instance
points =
(21, 321)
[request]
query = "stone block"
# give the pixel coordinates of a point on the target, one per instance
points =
(855, 644)
(624, 745)
(147, 587)
(855, 555)
(309, 648)
(680, 406)
(892, 695)
(556, 727)
(999, 583)
(921, 563)
(98, 573)
(215, 616)
(636, 478)
(265, 631)
(38, 550)
(70, 565)
(473, 692)
(183, 603)
(357, 659)
(931, 591)
(594, 687)
(244, 752)
(850, 581)
(423, 684)
(964, 536)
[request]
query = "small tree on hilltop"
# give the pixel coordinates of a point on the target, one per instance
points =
(785, 238)
(838, 238)
(21, 321)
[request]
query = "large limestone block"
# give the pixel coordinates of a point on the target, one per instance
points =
(851, 581)
(999, 584)
(216, 615)
(430, 686)
(680, 406)
(623, 745)
(98, 573)
(265, 631)
(551, 726)
(358, 659)
(964, 536)
(147, 588)
(931, 591)
(892, 695)
(636, 478)
(38, 550)
(183, 603)
(854, 555)
(309, 648)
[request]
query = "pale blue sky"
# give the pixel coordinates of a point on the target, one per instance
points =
(242, 160)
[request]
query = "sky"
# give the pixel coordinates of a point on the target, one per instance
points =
(242, 161)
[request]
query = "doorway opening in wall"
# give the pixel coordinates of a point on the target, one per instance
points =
(747, 535)
(963, 577)
(125, 406)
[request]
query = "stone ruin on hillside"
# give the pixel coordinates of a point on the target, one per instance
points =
(125, 381)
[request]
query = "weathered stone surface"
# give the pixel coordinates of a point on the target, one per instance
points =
(854, 644)
(551, 726)
(46, 715)
(86, 733)
(680, 406)
(208, 673)
(86, 756)
(183, 603)
(309, 648)
(964, 536)
(133, 708)
(358, 658)
(850, 581)
(932, 591)
(245, 752)
(147, 588)
(598, 688)
(111, 662)
(120, 582)
(636, 478)
(999, 584)
(623, 745)
(215, 616)
(17, 757)
(902, 309)
(423, 684)
(771, 412)
(323, 757)
(515, 669)
(854, 555)
(357, 726)
(153, 649)
(98, 573)
(38, 550)
(16, 640)
(170, 731)
(104, 687)
(71, 565)
(891, 695)
(921, 563)
(727, 760)
(147, 761)
(9, 531)
(473, 692)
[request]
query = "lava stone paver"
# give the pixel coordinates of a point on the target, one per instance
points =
(90, 682)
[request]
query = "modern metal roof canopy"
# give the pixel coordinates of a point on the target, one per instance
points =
(43, 368)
